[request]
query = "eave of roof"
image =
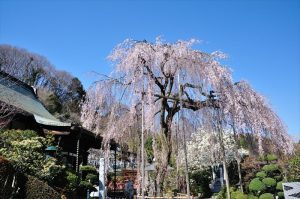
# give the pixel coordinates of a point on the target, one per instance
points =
(21, 96)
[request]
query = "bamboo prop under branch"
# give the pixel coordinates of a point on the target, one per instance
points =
(142, 150)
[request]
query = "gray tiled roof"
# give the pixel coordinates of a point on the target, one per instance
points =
(20, 95)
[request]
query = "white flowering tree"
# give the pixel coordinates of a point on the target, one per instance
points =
(145, 72)
(204, 149)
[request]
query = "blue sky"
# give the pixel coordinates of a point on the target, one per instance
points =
(261, 37)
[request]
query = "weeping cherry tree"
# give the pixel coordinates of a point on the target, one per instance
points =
(147, 72)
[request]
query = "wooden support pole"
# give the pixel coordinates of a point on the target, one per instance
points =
(187, 179)
(77, 151)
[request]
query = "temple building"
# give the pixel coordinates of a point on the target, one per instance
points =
(72, 139)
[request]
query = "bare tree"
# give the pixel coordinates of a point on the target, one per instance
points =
(206, 86)
(35, 70)
(27, 67)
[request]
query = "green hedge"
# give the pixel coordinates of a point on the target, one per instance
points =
(72, 180)
(280, 195)
(269, 182)
(256, 186)
(92, 178)
(270, 168)
(271, 157)
(88, 168)
(279, 186)
(261, 174)
(266, 196)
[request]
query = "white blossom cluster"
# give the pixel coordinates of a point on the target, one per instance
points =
(204, 149)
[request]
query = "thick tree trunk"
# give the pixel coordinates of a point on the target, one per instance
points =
(161, 174)
(162, 153)
(162, 169)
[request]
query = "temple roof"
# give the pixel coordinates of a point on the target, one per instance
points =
(20, 95)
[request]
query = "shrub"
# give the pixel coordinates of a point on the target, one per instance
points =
(85, 185)
(35, 188)
(266, 196)
(269, 182)
(270, 168)
(278, 177)
(256, 186)
(271, 157)
(25, 149)
(279, 186)
(294, 169)
(238, 195)
(16, 135)
(52, 172)
(200, 180)
(221, 194)
(72, 181)
(261, 174)
(92, 178)
(280, 195)
(88, 169)
(265, 183)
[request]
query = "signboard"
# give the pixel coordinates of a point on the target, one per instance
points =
(291, 190)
